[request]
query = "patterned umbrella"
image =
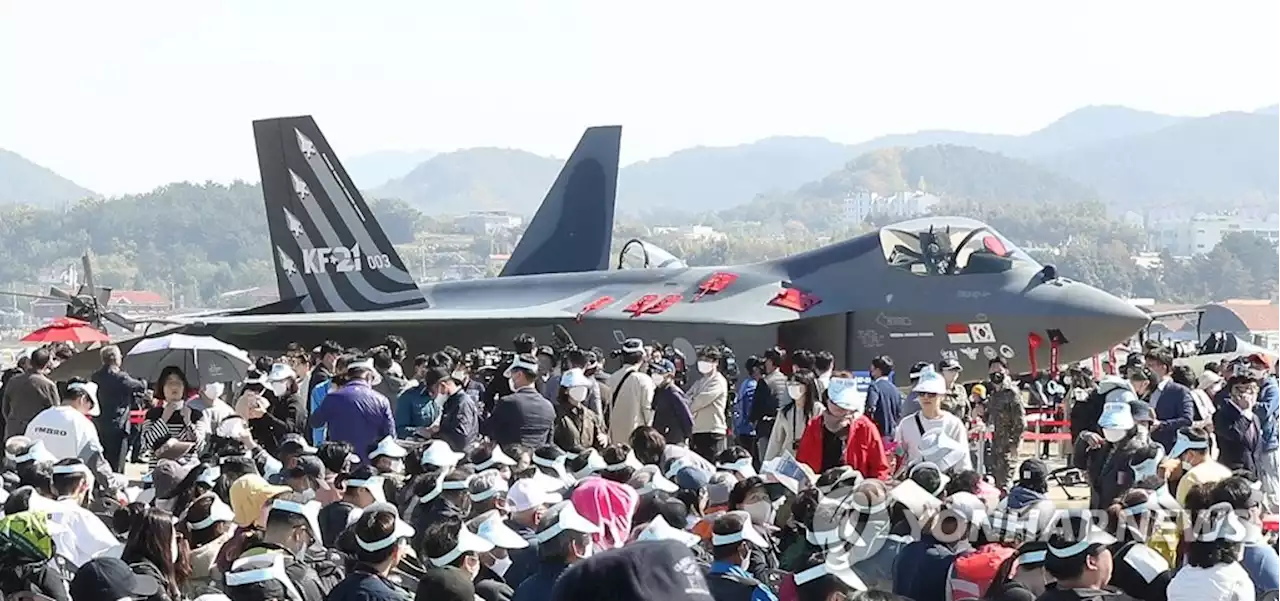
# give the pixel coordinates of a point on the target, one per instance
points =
(202, 358)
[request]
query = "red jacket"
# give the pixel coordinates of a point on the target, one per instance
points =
(864, 450)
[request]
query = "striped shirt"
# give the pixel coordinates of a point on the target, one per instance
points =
(155, 432)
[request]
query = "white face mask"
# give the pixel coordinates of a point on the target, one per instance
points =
(281, 388)
(796, 391)
(501, 565)
(441, 398)
(705, 367)
(173, 548)
(578, 393)
(761, 512)
(589, 550)
(1114, 434)
(1186, 466)
(396, 467)
(308, 495)
(513, 384)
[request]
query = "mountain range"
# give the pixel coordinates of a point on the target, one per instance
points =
(1128, 157)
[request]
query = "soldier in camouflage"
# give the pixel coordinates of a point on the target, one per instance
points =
(1007, 419)
(957, 399)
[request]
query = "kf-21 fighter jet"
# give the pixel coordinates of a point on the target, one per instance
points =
(925, 289)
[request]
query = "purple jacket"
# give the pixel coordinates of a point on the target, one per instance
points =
(358, 414)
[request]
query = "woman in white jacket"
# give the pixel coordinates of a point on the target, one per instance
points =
(802, 388)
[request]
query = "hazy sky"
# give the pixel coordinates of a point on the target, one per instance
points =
(124, 96)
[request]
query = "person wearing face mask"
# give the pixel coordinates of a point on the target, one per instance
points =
(792, 419)
(496, 563)
(360, 489)
(751, 497)
(911, 431)
(842, 433)
(1174, 404)
(356, 412)
(306, 477)
(524, 416)
(154, 550)
(563, 538)
(1106, 458)
(630, 402)
(210, 402)
(1239, 425)
(1192, 449)
(708, 396)
(672, 415)
(286, 413)
(460, 415)
(576, 425)
(528, 501)
(292, 528)
(733, 542)
(416, 409)
(448, 542)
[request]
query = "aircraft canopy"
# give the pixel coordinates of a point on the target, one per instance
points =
(950, 246)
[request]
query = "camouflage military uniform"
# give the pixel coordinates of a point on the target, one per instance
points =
(957, 402)
(1007, 419)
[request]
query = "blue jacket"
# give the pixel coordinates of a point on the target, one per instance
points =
(537, 587)
(1175, 408)
(742, 425)
(724, 568)
(416, 408)
(1268, 408)
(884, 406)
(357, 414)
(318, 392)
(363, 586)
(671, 414)
(460, 422)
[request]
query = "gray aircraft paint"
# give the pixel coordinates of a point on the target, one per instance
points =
(867, 307)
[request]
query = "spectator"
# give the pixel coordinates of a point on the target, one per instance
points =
(356, 412)
(884, 402)
(577, 426)
(770, 396)
(524, 416)
(707, 402)
(29, 393)
(792, 420)
(1173, 402)
(118, 393)
(842, 434)
(460, 415)
(631, 404)
(672, 415)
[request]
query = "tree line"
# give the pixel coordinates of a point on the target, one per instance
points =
(198, 241)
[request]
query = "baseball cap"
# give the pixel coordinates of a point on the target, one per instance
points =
(295, 444)
(1189, 440)
(110, 578)
(309, 466)
(491, 527)
(364, 365)
(845, 394)
(440, 454)
(167, 475)
(524, 362)
(662, 367)
(388, 447)
(90, 389)
(633, 345)
(1032, 471)
(528, 493)
(659, 529)
(640, 571)
(692, 478)
(968, 507)
(401, 531)
(949, 364)
(446, 584)
(918, 369)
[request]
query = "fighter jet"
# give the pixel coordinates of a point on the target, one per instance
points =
(925, 289)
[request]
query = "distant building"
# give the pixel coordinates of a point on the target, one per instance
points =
(125, 302)
(1201, 233)
(862, 204)
(483, 223)
(690, 232)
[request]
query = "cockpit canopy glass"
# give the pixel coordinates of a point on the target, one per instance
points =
(638, 254)
(950, 246)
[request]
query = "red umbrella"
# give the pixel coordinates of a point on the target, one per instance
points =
(66, 329)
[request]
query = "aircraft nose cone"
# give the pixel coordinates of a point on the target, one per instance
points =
(1093, 320)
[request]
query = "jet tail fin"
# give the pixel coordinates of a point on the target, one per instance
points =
(573, 229)
(329, 251)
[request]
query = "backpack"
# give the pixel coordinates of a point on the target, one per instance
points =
(972, 573)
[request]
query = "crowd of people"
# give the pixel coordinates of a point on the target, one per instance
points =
(359, 474)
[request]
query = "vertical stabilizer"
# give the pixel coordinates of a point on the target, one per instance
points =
(573, 229)
(330, 253)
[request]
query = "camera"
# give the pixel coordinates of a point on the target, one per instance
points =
(997, 378)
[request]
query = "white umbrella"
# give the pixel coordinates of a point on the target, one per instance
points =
(203, 359)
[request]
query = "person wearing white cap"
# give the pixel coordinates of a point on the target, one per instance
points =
(524, 416)
(842, 434)
(1193, 448)
(388, 456)
(381, 539)
(564, 538)
(577, 426)
(909, 435)
(287, 412)
(448, 542)
(827, 577)
(527, 502)
(630, 404)
(732, 539)
(497, 562)
(488, 455)
(68, 433)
